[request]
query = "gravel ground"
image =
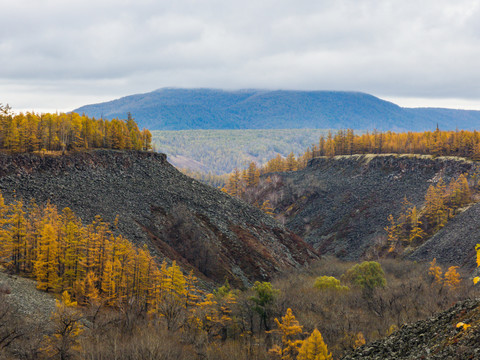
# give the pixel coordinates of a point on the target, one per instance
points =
(35, 305)
(440, 337)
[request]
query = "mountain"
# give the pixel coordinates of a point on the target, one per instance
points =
(340, 205)
(178, 218)
(183, 109)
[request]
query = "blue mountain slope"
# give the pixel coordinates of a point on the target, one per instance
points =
(182, 109)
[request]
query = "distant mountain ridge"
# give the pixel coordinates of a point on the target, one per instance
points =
(183, 109)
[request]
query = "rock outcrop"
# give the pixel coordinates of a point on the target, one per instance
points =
(452, 334)
(177, 217)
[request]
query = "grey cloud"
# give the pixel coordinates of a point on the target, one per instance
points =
(385, 47)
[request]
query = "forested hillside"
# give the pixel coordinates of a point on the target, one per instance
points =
(382, 205)
(183, 109)
(220, 151)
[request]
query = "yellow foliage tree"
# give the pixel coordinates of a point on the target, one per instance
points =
(435, 271)
(290, 329)
(64, 341)
(267, 207)
(314, 348)
(392, 234)
(46, 265)
(452, 277)
(90, 290)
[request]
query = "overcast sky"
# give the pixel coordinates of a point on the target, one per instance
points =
(61, 54)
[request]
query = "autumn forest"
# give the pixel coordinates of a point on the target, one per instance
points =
(116, 299)
(52, 132)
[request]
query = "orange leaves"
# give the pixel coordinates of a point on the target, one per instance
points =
(53, 132)
(88, 261)
(463, 326)
(314, 348)
(440, 204)
(392, 233)
(291, 348)
(267, 207)
(289, 329)
(477, 250)
(435, 271)
(452, 277)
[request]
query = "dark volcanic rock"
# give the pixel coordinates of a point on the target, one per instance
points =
(434, 338)
(455, 243)
(178, 217)
(340, 205)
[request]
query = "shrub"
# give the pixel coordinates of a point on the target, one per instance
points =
(328, 282)
(367, 275)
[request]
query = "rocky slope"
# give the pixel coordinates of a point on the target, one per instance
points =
(455, 243)
(340, 205)
(434, 338)
(29, 303)
(177, 217)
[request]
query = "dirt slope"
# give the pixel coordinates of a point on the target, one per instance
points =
(178, 217)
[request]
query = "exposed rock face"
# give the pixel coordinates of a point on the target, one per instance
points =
(455, 243)
(340, 205)
(176, 216)
(434, 338)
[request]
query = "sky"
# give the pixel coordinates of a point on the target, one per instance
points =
(62, 54)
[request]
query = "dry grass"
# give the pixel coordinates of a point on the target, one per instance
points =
(410, 295)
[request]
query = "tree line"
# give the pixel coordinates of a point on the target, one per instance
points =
(53, 132)
(89, 261)
(438, 143)
(345, 142)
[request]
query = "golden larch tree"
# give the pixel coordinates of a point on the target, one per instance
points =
(314, 348)
(452, 277)
(290, 329)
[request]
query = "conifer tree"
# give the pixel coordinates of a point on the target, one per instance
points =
(290, 330)
(452, 277)
(46, 265)
(17, 235)
(314, 348)
(435, 271)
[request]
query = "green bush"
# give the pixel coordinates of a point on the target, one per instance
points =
(367, 275)
(328, 282)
